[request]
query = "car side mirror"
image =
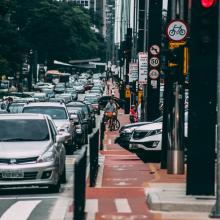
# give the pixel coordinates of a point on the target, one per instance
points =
(60, 138)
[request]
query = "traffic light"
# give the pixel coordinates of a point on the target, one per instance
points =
(208, 3)
(207, 12)
(175, 64)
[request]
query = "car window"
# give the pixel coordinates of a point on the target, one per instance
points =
(53, 130)
(53, 112)
(23, 130)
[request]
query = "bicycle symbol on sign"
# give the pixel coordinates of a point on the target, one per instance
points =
(177, 30)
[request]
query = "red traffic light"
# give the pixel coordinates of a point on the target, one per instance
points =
(208, 3)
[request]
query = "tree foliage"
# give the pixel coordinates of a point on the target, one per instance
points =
(57, 30)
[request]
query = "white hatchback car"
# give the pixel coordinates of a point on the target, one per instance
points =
(31, 152)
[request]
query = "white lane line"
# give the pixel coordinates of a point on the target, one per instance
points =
(91, 216)
(101, 172)
(29, 197)
(60, 208)
(20, 210)
(91, 206)
(122, 206)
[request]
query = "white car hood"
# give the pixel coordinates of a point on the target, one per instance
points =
(23, 149)
(150, 127)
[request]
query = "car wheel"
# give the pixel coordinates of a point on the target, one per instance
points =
(55, 188)
(63, 175)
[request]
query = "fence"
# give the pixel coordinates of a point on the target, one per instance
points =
(79, 196)
(94, 156)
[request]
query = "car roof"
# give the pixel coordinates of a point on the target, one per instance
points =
(45, 104)
(76, 104)
(23, 116)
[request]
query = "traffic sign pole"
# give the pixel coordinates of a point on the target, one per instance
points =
(154, 45)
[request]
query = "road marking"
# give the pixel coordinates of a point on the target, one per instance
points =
(110, 141)
(20, 210)
(60, 209)
(29, 197)
(122, 206)
(91, 206)
(91, 216)
(101, 172)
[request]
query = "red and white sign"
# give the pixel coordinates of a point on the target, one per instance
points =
(154, 74)
(155, 50)
(177, 30)
(154, 61)
(143, 67)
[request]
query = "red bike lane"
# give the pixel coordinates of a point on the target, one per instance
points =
(122, 179)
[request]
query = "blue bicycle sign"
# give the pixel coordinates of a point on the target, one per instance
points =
(177, 30)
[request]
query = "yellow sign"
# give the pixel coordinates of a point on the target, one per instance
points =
(173, 44)
(185, 61)
(140, 94)
(127, 93)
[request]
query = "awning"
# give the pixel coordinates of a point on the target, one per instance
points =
(61, 63)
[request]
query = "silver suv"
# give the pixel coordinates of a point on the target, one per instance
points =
(31, 151)
(58, 112)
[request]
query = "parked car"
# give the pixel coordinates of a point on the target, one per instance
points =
(58, 112)
(126, 131)
(33, 154)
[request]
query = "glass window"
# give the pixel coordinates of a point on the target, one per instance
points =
(54, 112)
(23, 130)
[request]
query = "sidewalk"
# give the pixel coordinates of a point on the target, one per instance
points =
(124, 183)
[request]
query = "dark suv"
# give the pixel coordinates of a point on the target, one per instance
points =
(87, 113)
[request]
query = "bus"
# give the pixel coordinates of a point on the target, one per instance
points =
(54, 76)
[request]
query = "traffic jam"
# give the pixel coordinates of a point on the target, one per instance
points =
(39, 129)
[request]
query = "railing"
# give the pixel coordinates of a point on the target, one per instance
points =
(79, 195)
(94, 156)
(102, 133)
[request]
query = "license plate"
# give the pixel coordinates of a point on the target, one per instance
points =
(12, 174)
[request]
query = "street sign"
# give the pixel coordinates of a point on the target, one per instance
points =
(154, 61)
(155, 50)
(177, 30)
(154, 74)
(127, 93)
(133, 72)
(143, 67)
(174, 44)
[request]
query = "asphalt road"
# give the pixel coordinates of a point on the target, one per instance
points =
(36, 203)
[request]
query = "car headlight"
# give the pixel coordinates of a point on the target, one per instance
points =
(127, 130)
(64, 128)
(155, 132)
(48, 156)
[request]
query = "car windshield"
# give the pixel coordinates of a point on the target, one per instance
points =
(16, 107)
(91, 99)
(23, 130)
(54, 112)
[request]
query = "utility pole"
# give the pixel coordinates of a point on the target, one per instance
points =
(216, 209)
(154, 47)
(167, 95)
(202, 98)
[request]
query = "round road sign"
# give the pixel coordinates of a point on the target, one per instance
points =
(154, 61)
(155, 50)
(177, 30)
(154, 74)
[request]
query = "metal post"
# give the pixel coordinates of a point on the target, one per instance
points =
(215, 213)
